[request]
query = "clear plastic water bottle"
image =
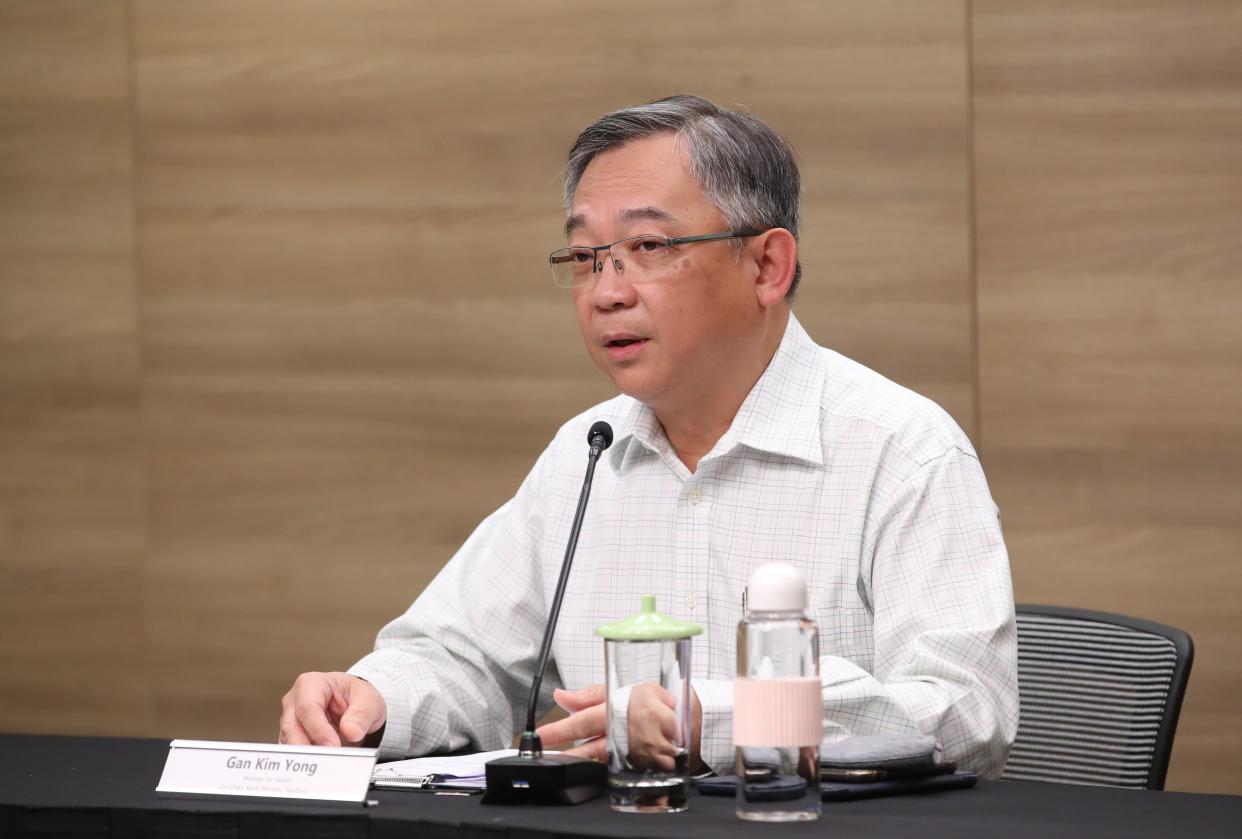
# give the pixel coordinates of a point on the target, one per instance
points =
(777, 710)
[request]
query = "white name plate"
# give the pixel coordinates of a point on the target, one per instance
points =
(267, 770)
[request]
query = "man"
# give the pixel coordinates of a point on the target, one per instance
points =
(738, 442)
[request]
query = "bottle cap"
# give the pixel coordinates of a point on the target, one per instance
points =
(648, 625)
(776, 587)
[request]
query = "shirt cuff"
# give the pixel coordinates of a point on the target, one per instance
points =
(716, 741)
(842, 682)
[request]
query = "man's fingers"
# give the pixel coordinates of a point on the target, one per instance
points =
(324, 709)
(292, 734)
(365, 713)
(579, 726)
(652, 693)
(596, 749)
(353, 727)
(307, 704)
(315, 723)
(653, 731)
(653, 725)
(356, 724)
(657, 725)
(668, 723)
(577, 700)
(651, 706)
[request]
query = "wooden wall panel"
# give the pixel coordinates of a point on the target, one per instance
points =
(72, 502)
(340, 348)
(1109, 174)
(353, 351)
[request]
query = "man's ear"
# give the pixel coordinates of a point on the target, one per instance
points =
(777, 257)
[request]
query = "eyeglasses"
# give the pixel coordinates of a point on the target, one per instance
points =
(639, 258)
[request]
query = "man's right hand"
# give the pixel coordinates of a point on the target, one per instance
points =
(331, 709)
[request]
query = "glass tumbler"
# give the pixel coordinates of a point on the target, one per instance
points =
(647, 662)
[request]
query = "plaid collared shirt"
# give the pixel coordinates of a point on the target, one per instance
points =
(870, 489)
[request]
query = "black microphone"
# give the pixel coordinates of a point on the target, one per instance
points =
(530, 777)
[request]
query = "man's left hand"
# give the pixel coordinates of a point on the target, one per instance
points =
(588, 721)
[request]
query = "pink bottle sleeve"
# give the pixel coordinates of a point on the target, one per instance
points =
(777, 713)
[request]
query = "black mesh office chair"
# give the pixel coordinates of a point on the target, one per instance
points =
(1100, 697)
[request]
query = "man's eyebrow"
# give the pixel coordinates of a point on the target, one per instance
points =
(633, 214)
(647, 214)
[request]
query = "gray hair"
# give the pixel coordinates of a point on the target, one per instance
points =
(745, 168)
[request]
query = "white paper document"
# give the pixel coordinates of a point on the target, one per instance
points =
(460, 771)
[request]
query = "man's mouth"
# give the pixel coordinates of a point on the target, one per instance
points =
(624, 347)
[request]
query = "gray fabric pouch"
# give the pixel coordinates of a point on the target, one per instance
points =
(894, 753)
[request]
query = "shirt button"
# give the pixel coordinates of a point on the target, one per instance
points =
(695, 495)
(692, 600)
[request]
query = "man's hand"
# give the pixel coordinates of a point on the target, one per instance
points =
(331, 709)
(652, 729)
(587, 720)
(652, 725)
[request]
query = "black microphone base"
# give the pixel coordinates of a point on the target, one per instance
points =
(550, 779)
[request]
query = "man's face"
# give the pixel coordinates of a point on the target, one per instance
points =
(670, 339)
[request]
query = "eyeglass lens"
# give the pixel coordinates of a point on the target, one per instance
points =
(638, 257)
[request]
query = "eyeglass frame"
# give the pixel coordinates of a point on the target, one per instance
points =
(598, 264)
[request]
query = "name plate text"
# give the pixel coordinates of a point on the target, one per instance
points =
(267, 770)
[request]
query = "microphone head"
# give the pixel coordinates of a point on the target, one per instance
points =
(600, 435)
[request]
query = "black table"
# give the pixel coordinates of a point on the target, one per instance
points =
(92, 786)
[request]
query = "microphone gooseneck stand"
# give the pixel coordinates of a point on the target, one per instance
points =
(530, 776)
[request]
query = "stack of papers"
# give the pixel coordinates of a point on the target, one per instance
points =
(454, 772)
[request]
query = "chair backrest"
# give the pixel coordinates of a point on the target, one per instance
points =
(1100, 697)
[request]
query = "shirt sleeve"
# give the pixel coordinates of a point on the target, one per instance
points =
(946, 660)
(936, 578)
(455, 670)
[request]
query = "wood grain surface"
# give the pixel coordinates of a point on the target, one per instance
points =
(72, 490)
(1109, 206)
(277, 329)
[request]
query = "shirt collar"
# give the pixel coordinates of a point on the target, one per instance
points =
(780, 415)
(639, 433)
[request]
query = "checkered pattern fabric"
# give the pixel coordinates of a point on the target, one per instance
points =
(870, 489)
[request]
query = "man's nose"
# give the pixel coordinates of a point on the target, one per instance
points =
(611, 289)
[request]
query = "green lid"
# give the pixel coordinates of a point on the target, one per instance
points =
(648, 625)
